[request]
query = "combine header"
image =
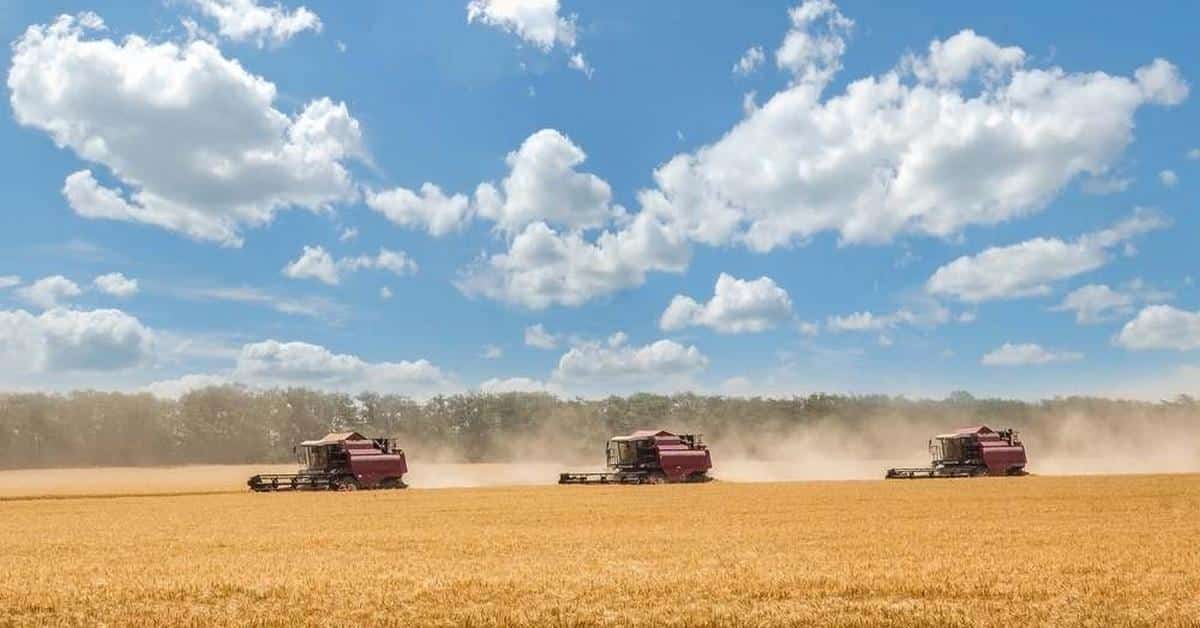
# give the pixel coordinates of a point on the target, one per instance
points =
(343, 462)
(968, 452)
(650, 457)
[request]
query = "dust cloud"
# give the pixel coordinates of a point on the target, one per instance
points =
(1067, 443)
(825, 450)
(1079, 444)
(465, 475)
(1060, 440)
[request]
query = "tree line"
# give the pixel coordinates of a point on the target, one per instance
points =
(234, 425)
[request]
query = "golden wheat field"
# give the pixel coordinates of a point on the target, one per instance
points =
(1097, 551)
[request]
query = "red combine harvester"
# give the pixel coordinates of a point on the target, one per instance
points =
(650, 457)
(968, 452)
(345, 461)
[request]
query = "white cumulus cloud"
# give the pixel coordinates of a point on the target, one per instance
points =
(537, 336)
(812, 49)
(248, 20)
(9, 281)
(956, 59)
(967, 133)
(930, 315)
(116, 284)
(577, 62)
(544, 267)
(94, 340)
(61, 340)
(49, 292)
(737, 306)
(617, 361)
(1010, 354)
(1168, 178)
(1096, 303)
(1161, 327)
(396, 262)
(536, 22)
(191, 139)
(431, 209)
(551, 213)
(543, 186)
(274, 363)
(859, 321)
(750, 61)
(1030, 267)
(316, 263)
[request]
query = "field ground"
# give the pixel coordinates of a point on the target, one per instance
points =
(192, 479)
(1097, 551)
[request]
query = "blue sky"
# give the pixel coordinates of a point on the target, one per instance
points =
(753, 198)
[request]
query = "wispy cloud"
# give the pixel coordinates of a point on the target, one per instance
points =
(77, 249)
(311, 307)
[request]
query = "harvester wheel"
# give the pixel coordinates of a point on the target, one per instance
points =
(346, 484)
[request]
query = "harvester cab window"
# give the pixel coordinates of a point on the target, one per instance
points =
(948, 449)
(316, 458)
(623, 452)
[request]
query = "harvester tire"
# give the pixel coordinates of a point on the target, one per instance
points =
(346, 484)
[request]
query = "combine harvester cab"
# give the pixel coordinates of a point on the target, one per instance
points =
(650, 457)
(969, 452)
(345, 461)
